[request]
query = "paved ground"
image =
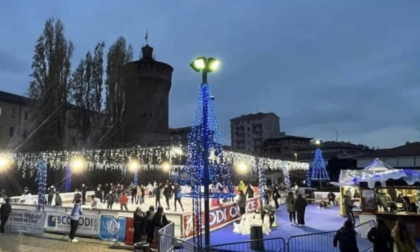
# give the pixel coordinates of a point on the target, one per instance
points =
(53, 243)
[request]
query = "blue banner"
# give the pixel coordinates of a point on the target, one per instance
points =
(112, 228)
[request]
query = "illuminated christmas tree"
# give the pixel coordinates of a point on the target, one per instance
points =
(319, 172)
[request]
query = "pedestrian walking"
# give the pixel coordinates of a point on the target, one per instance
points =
(167, 192)
(157, 194)
(74, 220)
(348, 206)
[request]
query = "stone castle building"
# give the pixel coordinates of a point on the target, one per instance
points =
(147, 87)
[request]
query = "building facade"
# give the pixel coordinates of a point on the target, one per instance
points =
(285, 144)
(14, 120)
(248, 132)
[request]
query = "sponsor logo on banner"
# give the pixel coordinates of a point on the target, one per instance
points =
(29, 222)
(88, 224)
(112, 228)
(220, 216)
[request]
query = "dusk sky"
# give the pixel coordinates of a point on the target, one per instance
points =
(351, 66)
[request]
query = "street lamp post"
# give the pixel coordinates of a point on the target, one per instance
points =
(205, 66)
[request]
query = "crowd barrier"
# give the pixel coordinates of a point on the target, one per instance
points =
(176, 244)
(324, 241)
(272, 244)
(165, 244)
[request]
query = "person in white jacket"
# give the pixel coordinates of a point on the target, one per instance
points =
(26, 197)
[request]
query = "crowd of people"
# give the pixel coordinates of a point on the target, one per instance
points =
(383, 238)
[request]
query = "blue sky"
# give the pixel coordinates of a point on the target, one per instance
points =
(351, 66)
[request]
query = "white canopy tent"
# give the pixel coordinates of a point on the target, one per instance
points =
(377, 171)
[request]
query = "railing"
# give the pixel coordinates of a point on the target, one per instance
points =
(176, 244)
(324, 241)
(165, 243)
(268, 245)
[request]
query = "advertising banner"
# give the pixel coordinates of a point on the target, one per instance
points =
(112, 228)
(220, 216)
(60, 222)
(129, 232)
(29, 222)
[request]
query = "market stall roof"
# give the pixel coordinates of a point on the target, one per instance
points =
(377, 171)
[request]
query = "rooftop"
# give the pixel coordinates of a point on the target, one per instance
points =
(288, 137)
(409, 149)
(336, 145)
(256, 116)
(13, 98)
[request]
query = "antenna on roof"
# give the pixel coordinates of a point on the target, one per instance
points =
(336, 136)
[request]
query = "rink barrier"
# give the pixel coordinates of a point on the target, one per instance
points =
(112, 229)
(324, 240)
(272, 244)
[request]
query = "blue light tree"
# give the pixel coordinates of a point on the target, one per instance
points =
(319, 172)
(41, 179)
(205, 149)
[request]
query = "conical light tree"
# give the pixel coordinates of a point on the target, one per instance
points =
(319, 172)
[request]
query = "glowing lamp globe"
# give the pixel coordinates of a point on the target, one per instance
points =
(133, 165)
(4, 163)
(77, 164)
(242, 167)
(166, 166)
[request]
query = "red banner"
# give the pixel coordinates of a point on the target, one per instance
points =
(129, 231)
(220, 216)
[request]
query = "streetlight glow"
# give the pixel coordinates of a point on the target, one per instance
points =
(4, 163)
(77, 164)
(242, 167)
(199, 64)
(317, 142)
(166, 166)
(213, 64)
(133, 165)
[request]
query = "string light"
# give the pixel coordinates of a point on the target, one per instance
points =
(42, 184)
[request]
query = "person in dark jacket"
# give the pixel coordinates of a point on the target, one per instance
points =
(51, 192)
(58, 200)
(242, 202)
(291, 207)
(159, 219)
(133, 191)
(84, 190)
(346, 238)
(167, 192)
(300, 209)
(3, 194)
(276, 196)
(348, 206)
(150, 226)
(157, 193)
(249, 191)
(5, 210)
(139, 224)
(381, 237)
(106, 190)
(98, 193)
(110, 199)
